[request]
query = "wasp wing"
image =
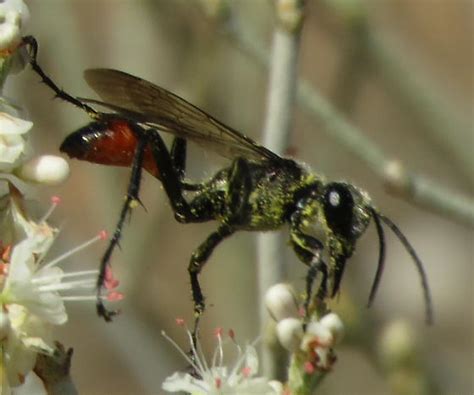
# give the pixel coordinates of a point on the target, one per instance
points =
(157, 107)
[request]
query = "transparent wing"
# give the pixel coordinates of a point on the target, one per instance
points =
(156, 107)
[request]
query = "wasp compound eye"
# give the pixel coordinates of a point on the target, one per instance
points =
(338, 206)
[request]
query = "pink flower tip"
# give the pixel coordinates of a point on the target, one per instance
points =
(114, 296)
(103, 235)
(218, 332)
(180, 321)
(246, 371)
(110, 281)
(231, 334)
(55, 200)
(218, 383)
(309, 367)
(111, 284)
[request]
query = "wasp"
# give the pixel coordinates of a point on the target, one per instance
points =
(258, 191)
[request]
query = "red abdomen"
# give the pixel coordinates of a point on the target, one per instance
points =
(111, 143)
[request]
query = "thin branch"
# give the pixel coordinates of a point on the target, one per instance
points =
(417, 95)
(281, 98)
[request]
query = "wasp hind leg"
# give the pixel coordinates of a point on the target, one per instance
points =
(131, 199)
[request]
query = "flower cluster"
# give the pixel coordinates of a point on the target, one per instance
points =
(33, 291)
(217, 378)
(14, 160)
(311, 343)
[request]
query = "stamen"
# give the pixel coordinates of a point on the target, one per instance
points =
(48, 279)
(114, 296)
(191, 361)
(55, 201)
(219, 349)
(103, 235)
(88, 283)
(198, 352)
(74, 250)
(79, 298)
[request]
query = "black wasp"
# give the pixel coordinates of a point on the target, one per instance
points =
(258, 191)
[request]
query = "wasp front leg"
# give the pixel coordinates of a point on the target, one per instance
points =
(309, 251)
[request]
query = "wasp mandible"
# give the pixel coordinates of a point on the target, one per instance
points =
(258, 191)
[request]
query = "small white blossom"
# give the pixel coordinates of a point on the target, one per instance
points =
(14, 16)
(281, 302)
(317, 343)
(289, 333)
(334, 324)
(218, 379)
(311, 343)
(45, 169)
(12, 140)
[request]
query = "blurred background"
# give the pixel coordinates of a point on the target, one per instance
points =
(424, 47)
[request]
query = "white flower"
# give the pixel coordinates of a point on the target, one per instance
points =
(12, 140)
(218, 379)
(33, 292)
(14, 16)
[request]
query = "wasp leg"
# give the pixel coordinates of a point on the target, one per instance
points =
(236, 199)
(197, 262)
(31, 42)
(178, 156)
(312, 258)
(309, 251)
(170, 177)
(178, 159)
(131, 199)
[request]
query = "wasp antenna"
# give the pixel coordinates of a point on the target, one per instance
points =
(381, 262)
(419, 265)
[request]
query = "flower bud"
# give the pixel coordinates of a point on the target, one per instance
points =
(334, 324)
(317, 335)
(46, 169)
(290, 333)
(281, 302)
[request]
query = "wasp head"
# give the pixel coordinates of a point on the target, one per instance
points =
(347, 212)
